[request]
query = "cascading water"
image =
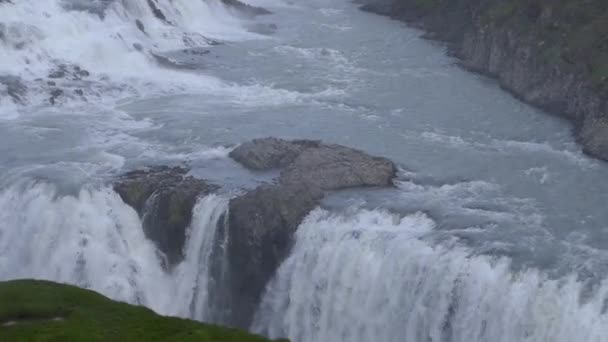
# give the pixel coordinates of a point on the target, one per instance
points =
(371, 276)
(72, 50)
(94, 240)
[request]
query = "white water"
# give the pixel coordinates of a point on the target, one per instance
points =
(95, 241)
(103, 38)
(370, 276)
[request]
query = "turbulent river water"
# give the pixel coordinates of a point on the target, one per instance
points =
(496, 231)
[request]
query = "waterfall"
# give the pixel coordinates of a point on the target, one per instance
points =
(61, 51)
(95, 241)
(371, 276)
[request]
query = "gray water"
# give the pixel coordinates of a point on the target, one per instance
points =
(496, 231)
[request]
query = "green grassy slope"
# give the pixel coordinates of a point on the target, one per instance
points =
(33, 310)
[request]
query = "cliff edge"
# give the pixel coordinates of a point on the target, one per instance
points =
(550, 53)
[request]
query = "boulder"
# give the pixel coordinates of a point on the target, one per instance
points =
(261, 225)
(164, 198)
(262, 222)
(318, 165)
(334, 167)
(246, 9)
(270, 153)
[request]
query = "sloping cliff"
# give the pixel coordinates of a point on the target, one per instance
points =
(550, 53)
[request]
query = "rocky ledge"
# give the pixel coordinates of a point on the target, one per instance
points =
(261, 222)
(164, 198)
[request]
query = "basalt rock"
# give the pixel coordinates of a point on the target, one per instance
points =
(261, 226)
(164, 198)
(262, 222)
(314, 164)
(270, 153)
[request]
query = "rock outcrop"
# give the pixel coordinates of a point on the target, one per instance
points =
(552, 55)
(164, 198)
(262, 222)
(314, 164)
(246, 9)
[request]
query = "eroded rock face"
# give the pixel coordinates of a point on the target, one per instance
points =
(262, 222)
(261, 226)
(164, 198)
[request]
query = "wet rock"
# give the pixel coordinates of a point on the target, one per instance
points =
(71, 72)
(97, 7)
(58, 73)
(157, 12)
(164, 198)
(324, 167)
(245, 8)
(140, 26)
(262, 222)
(15, 88)
(333, 167)
(261, 225)
(55, 94)
(270, 153)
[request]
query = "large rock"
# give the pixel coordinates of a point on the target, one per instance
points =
(262, 222)
(270, 153)
(261, 225)
(246, 9)
(333, 167)
(164, 198)
(318, 165)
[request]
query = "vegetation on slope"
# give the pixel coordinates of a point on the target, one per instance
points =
(32, 310)
(572, 32)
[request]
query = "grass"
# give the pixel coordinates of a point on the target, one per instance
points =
(37, 311)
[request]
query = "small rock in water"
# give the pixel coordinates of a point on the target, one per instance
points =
(15, 87)
(55, 94)
(140, 26)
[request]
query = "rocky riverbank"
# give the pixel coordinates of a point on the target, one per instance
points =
(551, 54)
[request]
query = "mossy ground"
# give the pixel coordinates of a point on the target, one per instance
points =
(32, 310)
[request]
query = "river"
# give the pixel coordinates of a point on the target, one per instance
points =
(496, 230)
